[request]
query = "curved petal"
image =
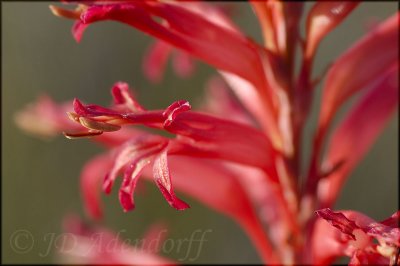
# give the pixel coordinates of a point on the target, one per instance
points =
(357, 68)
(91, 179)
(162, 176)
(220, 138)
(357, 132)
(129, 182)
(124, 98)
(322, 19)
(155, 60)
(221, 102)
(217, 187)
(133, 152)
(250, 99)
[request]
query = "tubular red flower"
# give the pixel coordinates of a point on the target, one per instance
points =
(342, 80)
(218, 45)
(357, 132)
(198, 134)
(211, 157)
(354, 71)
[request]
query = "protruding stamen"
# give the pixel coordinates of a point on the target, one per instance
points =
(79, 135)
(73, 116)
(66, 13)
(96, 125)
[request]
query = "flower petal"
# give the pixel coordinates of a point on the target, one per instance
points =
(162, 177)
(45, 117)
(89, 245)
(357, 132)
(91, 179)
(131, 177)
(199, 134)
(339, 221)
(247, 94)
(133, 151)
(221, 102)
(150, 146)
(217, 187)
(356, 68)
(212, 137)
(155, 60)
(361, 257)
(183, 64)
(355, 220)
(78, 29)
(322, 19)
(123, 98)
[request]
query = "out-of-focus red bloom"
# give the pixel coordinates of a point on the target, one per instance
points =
(93, 245)
(156, 59)
(355, 238)
(241, 154)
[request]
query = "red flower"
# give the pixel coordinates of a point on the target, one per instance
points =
(356, 241)
(94, 245)
(241, 155)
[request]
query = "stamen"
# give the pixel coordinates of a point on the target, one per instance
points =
(65, 13)
(73, 116)
(79, 135)
(96, 125)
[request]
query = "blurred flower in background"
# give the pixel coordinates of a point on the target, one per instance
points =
(241, 154)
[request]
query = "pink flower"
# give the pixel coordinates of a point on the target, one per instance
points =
(94, 245)
(356, 238)
(241, 154)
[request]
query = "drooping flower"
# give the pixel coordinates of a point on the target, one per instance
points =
(241, 154)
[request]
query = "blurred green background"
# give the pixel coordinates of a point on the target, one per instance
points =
(41, 178)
